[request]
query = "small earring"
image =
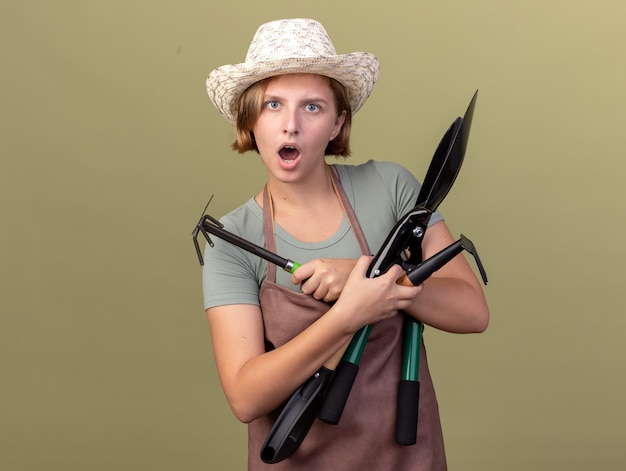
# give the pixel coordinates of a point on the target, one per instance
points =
(331, 138)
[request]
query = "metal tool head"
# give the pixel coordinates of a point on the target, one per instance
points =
(201, 228)
(469, 246)
(447, 160)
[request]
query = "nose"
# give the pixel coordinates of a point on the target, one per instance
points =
(290, 125)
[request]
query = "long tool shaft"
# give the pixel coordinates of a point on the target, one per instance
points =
(208, 225)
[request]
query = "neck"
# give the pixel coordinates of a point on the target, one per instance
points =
(316, 190)
(310, 212)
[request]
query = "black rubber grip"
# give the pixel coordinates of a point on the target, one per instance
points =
(296, 419)
(338, 392)
(406, 414)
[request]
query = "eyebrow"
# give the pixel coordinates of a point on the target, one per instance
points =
(313, 98)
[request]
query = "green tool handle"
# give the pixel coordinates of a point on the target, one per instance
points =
(294, 266)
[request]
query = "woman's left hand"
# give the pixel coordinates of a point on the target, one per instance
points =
(324, 278)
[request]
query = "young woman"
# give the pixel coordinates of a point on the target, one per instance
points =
(292, 101)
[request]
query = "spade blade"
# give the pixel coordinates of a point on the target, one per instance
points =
(447, 160)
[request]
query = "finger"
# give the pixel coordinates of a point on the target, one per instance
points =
(406, 295)
(326, 292)
(395, 272)
(302, 273)
(310, 286)
(332, 294)
(320, 294)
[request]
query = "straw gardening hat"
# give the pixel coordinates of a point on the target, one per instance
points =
(287, 47)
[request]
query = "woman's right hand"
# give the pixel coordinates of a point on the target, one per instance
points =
(324, 278)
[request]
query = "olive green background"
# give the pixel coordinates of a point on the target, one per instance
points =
(110, 149)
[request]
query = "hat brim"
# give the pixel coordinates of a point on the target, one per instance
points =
(357, 72)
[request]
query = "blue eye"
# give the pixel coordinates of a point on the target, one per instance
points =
(312, 107)
(273, 104)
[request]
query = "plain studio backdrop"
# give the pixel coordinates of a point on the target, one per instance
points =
(110, 149)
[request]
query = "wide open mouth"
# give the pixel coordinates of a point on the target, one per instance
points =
(289, 153)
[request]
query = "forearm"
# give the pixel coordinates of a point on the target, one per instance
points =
(450, 304)
(263, 382)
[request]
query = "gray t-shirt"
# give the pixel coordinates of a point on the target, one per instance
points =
(380, 194)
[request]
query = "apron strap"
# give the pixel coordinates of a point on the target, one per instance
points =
(268, 230)
(354, 223)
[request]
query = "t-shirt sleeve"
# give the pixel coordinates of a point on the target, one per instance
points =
(229, 274)
(404, 187)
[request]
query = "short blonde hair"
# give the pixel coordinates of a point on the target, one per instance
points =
(251, 103)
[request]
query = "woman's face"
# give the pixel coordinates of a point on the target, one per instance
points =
(298, 118)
